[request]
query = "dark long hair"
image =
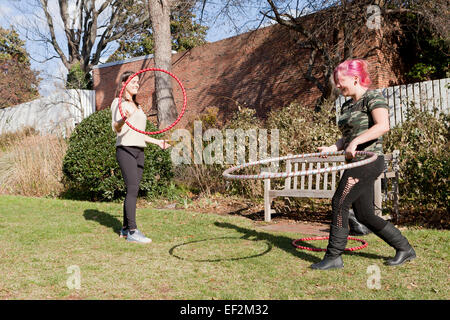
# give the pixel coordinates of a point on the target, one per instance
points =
(123, 78)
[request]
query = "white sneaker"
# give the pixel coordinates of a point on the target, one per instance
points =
(137, 236)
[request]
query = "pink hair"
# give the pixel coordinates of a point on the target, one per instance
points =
(355, 67)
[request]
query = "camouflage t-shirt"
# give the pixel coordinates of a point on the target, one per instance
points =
(356, 118)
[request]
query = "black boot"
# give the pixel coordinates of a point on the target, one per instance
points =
(356, 227)
(393, 237)
(336, 246)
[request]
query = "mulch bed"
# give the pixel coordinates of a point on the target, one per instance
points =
(290, 211)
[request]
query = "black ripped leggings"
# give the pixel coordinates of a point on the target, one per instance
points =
(131, 162)
(356, 190)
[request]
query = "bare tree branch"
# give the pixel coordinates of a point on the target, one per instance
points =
(87, 27)
(54, 42)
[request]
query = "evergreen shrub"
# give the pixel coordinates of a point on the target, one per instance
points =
(423, 141)
(91, 170)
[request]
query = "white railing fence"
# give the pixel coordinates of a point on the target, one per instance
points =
(428, 96)
(58, 113)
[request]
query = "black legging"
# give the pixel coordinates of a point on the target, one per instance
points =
(356, 189)
(131, 162)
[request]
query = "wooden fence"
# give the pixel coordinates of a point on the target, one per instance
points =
(430, 96)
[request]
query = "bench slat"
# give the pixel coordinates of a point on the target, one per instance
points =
(310, 177)
(301, 193)
(325, 178)
(287, 181)
(302, 184)
(318, 177)
(333, 178)
(296, 177)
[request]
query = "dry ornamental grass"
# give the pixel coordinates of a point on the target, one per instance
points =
(31, 166)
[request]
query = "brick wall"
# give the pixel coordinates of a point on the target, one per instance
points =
(261, 69)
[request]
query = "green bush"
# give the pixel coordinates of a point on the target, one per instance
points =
(246, 119)
(302, 129)
(90, 167)
(423, 141)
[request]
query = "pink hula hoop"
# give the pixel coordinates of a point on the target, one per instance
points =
(294, 243)
(182, 110)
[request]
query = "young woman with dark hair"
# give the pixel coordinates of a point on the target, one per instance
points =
(130, 146)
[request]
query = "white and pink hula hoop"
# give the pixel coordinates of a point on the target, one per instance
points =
(273, 175)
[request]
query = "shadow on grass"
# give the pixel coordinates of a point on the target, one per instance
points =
(104, 218)
(172, 253)
(285, 243)
(75, 194)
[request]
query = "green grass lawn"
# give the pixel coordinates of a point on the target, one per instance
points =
(193, 256)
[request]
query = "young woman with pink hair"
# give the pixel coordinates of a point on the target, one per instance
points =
(363, 120)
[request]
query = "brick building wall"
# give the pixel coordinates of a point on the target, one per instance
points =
(261, 69)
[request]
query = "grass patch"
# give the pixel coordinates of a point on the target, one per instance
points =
(193, 256)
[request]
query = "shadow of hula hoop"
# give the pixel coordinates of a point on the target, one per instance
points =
(171, 251)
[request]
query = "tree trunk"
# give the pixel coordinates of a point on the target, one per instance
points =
(160, 17)
(330, 93)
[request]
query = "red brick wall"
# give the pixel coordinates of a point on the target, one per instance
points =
(259, 69)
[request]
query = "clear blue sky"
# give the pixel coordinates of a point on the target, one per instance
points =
(53, 71)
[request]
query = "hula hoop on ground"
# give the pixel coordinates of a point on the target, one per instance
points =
(294, 243)
(268, 175)
(182, 110)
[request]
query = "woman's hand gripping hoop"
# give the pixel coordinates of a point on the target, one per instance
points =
(182, 110)
(272, 175)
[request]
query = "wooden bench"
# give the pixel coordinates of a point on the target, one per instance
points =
(324, 185)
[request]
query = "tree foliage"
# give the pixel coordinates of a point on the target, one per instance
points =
(78, 79)
(430, 55)
(88, 27)
(18, 82)
(185, 32)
